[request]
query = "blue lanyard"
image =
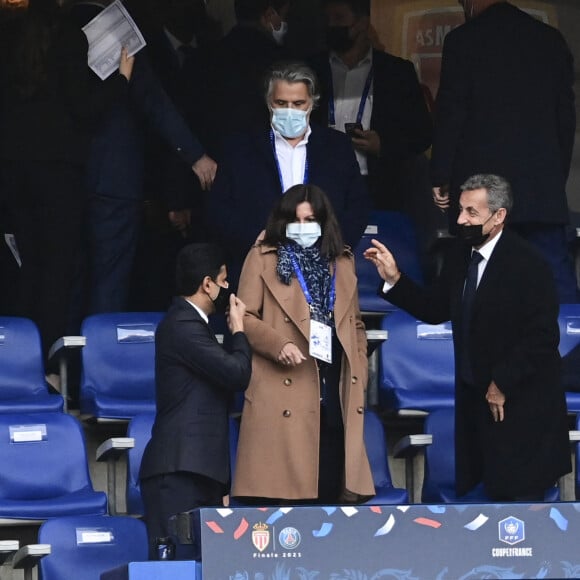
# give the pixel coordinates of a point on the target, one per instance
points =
(306, 165)
(302, 282)
(361, 107)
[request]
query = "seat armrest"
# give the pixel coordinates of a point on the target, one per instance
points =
(114, 448)
(7, 548)
(110, 451)
(27, 558)
(410, 447)
(66, 343)
(374, 339)
(58, 351)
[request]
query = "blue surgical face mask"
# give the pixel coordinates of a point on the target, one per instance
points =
(304, 234)
(290, 123)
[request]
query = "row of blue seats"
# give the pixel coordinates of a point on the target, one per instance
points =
(117, 379)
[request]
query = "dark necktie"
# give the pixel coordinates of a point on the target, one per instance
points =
(465, 369)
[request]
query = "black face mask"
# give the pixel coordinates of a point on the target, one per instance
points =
(473, 235)
(222, 300)
(338, 38)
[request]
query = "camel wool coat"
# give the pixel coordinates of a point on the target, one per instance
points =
(280, 429)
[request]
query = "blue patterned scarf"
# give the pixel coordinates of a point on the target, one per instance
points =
(316, 272)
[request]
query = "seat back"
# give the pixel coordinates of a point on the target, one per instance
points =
(569, 347)
(376, 446)
(83, 547)
(397, 232)
(439, 472)
(45, 471)
(406, 381)
(118, 364)
(139, 429)
(22, 384)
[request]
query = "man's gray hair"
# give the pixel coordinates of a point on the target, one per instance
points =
(292, 72)
(499, 191)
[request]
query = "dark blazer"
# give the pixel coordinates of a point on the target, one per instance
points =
(514, 342)
(247, 186)
(195, 377)
(399, 116)
(116, 162)
(506, 106)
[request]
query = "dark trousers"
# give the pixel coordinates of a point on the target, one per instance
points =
(169, 494)
(45, 200)
(113, 233)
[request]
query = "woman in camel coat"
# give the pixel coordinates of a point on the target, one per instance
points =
(301, 434)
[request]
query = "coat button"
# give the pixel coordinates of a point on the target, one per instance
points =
(286, 319)
(287, 382)
(287, 413)
(360, 410)
(354, 380)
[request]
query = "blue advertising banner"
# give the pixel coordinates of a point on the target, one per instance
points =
(450, 542)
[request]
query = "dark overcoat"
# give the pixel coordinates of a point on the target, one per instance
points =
(513, 341)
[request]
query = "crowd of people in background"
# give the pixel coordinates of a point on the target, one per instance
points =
(103, 181)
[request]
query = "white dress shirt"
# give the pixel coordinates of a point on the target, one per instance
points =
(291, 160)
(199, 310)
(348, 87)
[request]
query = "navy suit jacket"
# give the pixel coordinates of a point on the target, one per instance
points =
(247, 187)
(116, 163)
(506, 106)
(514, 342)
(195, 377)
(399, 116)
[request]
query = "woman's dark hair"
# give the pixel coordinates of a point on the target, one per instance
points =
(194, 263)
(331, 244)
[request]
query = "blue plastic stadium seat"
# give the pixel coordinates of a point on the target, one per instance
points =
(439, 475)
(397, 232)
(569, 323)
(44, 468)
(84, 547)
(118, 365)
(23, 388)
(417, 365)
(140, 430)
(376, 445)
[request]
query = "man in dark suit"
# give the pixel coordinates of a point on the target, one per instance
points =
(510, 413)
(506, 106)
(186, 462)
(115, 173)
(258, 166)
(380, 93)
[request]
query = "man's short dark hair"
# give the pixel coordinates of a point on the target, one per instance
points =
(252, 10)
(194, 263)
(358, 7)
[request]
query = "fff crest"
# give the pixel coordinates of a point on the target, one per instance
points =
(260, 536)
(512, 531)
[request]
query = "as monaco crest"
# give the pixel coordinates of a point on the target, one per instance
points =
(260, 537)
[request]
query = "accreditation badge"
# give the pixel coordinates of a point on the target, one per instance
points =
(320, 341)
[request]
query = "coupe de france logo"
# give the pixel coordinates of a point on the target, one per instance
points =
(512, 531)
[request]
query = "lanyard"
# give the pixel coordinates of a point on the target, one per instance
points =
(302, 282)
(306, 164)
(361, 106)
